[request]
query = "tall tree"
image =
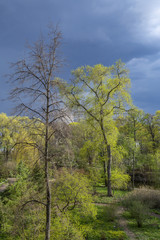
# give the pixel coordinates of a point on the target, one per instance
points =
(100, 91)
(130, 128)
(150, 122)
(36, 89)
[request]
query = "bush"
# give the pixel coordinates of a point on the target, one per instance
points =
(139, 212)
(109, 213)
(148, 197)
(106, 235)
(63, 229)
(73, 191)
(119, 179)
(115, 235)
(139, 201)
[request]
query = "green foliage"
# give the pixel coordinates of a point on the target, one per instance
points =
(72, 205)
(115, 235)
(101, 228)
(119, 179)
(140, 201)
(109, 212)
(101, 195)
(146, 196)
(21, 217)
(37, 176)
(101, 92)
(17, 138)
(72, 190)
(85, 143)
(149, 230)
(63, 229)
(101, 80)
(22, 170)
(138, 211)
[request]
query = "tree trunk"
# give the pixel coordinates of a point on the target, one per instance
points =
(104, 167)
(109, 155)
(133, 167)
(7, 154)
(133, 170)
(109, 170)
(48, 204)
(48, 192)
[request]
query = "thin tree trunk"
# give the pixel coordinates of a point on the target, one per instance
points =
(133, 170)
(109, 170)
(48, 205)
(133, 167)
(48, 192)
(108, 147)
(104, 168)
(7, 154)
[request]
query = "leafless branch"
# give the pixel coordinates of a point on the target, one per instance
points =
(34, 201)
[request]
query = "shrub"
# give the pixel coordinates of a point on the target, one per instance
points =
(115, 235)
(119, 179)
(138, 211)
(146, 196)
(72, 191)
(107, 235)
(109, 213)
(138, 203)
(91, 234)
(63, 229)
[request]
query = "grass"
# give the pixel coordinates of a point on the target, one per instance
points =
(156, 211)
(151, 225)
(150, 229)
(101, 195)
(103, 227)
(2, 181)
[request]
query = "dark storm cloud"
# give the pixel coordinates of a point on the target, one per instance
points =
(145, 72)
(94, 32)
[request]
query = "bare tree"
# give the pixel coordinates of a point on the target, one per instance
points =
(37, 92)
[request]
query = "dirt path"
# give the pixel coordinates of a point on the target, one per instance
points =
(121, 220)
(123, 223)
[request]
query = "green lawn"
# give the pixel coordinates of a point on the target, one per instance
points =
(104, 227)
(101, 195)
(151, 226)
(150, 229)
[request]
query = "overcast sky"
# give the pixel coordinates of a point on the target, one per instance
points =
(94, 31)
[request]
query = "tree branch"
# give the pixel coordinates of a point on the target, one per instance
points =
(33, 200)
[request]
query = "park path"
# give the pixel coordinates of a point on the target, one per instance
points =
(123, 223)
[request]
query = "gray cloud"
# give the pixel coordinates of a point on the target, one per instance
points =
(145, 75)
